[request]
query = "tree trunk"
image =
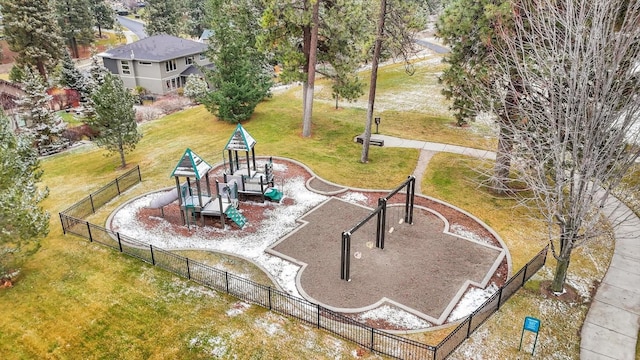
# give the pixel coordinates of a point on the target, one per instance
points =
(99, 31)
(562, 266)
(311, 76)
(122, 160)
(503, 161)
(306, 46)
(374, 78)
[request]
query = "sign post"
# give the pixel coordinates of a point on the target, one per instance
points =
(530, 324)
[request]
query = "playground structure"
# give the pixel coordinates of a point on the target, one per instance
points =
(251, 180)
(194, 202)
(240, 179)
(382, 226)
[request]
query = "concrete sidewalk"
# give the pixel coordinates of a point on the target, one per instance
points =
(610, 330)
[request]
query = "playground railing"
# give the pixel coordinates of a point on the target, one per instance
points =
(338, 324)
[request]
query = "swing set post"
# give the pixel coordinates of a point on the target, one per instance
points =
(382, 223)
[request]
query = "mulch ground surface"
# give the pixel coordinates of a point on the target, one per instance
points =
(420, 266)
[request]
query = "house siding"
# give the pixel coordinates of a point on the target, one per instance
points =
(140, 69)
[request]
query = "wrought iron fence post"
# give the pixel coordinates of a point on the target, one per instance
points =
(188, 271)
(117, 186)
(153, 260)
(89, 230)
(318, 308)
(371, 339)
(524, 278)
(119, 242)
(226, 280)
(469, 327)
(139, 175)
(64, 229)
(269, 297)
(499, 297)
(93, 209)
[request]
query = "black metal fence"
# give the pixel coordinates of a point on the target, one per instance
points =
(275, 300)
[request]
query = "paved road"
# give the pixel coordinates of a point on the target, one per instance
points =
(134, 26)
(430, 45)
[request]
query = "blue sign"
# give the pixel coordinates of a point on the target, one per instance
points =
(532, 324)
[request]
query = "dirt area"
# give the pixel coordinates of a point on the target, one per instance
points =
(420, 267)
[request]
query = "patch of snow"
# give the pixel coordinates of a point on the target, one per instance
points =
(355, 197)
(270, 326)
(395, 316)
(238, 308)
(471, 300)
(468, 234)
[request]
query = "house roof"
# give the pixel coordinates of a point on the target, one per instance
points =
(156, 48)
(191, 165)
(206, 34)
(240, 140)
(192, 69)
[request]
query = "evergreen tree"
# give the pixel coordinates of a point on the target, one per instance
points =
(31, 31)
(16, 74)
(22, 220)
(197, 19)
(195, 88)
(472, 28)
(102, 15)
(240, 78)
(115, 117)
(71, 77)
(43, 123)
(163, 17)
(76, 20)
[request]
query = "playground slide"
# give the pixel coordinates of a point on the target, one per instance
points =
(164, 199)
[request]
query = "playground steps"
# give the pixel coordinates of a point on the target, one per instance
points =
(233, 214)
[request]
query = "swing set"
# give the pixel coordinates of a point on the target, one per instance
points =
(381, 213)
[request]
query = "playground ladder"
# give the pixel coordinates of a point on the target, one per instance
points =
(236, 216)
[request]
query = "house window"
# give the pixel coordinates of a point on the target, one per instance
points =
(170, 65)
(125, 67)
(202, 57)
(173, 84)
(188, 60)
(144, 63)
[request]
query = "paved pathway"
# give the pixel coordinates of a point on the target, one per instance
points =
(610, 330)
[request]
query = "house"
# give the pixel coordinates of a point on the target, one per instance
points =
(9, 94)
(160, 63)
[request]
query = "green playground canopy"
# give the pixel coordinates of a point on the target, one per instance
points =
(191, 165)
(240, 140)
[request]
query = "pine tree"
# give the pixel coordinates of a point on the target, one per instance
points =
(43, 123)
(115, 117)
(71, 77)
(31, 30)
(102, 15)
(197, 19)
(76, 21)
(163, 17)
(240, 78)
(22, 220)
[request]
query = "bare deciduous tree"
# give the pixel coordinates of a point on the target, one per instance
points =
(574, 66)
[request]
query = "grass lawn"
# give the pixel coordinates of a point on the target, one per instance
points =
(76, 299)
